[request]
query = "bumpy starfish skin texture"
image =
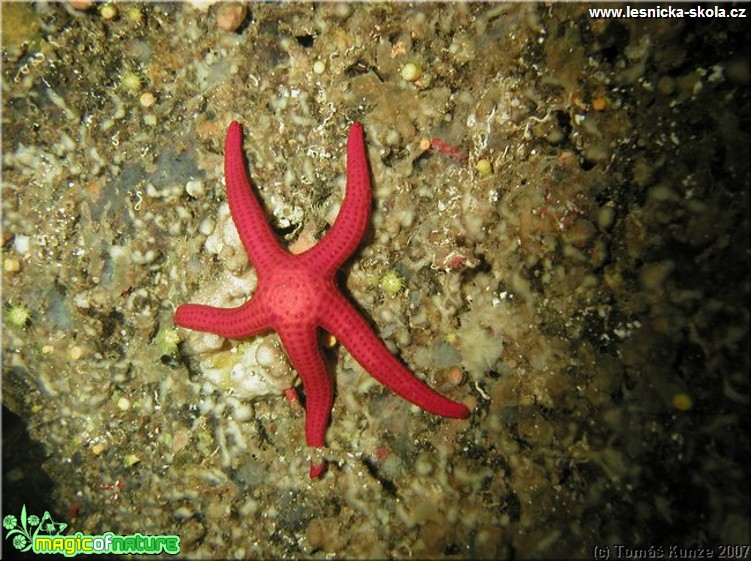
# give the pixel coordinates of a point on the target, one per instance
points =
(297, 295)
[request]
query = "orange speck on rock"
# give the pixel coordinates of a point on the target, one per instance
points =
(80, 4)
(456, 375)
(74, 509)
(328, 341)
(448, 150)
(290, 394)
(682, 401)
(382, 453)
(599, 104)
(94, 189)
(398, 49)
(147, 99)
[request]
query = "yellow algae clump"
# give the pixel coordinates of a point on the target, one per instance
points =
(167, 340)
(20, 26)
(134, 14)
(392, 282)
(11, 265)
(109, 12)
(484, 167)
(17, 315)
(131, 82)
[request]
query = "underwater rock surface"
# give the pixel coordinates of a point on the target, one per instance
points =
(559, 239)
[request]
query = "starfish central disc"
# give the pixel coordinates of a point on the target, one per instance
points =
(294, 296)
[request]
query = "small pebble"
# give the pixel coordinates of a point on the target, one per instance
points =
(22, 244)
(342, 10)
(411, 72)
(147, 99)
(195, 188)
(80, 4)
(231, 16)
(207, 226)
(182, 513)
(265, 355)
(131, 460)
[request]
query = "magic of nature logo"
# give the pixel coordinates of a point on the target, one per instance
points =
(30, 533)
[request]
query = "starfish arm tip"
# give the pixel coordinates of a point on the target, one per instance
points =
(463, 412)
(183, 315)
(316, 470)
(437, 404)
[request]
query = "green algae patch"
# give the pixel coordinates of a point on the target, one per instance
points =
(20, 26)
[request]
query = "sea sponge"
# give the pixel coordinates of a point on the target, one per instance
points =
(480, 339)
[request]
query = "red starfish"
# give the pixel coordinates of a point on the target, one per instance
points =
(297, 294)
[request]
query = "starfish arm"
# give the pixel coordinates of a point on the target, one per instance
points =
(356, 335)
(232, 323)
(301, 344)
(349, 227)
(259, 241)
